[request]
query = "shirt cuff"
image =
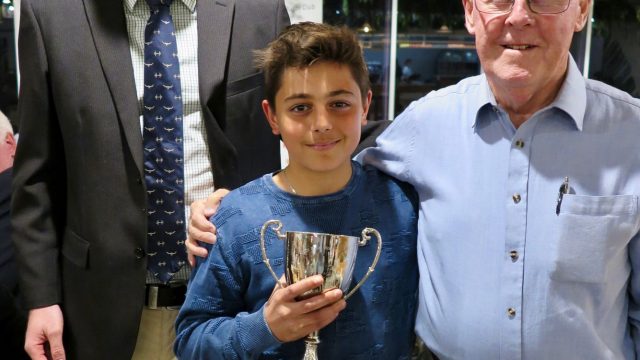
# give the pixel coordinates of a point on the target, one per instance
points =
(258, 335)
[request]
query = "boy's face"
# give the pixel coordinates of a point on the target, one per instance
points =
(319, 114)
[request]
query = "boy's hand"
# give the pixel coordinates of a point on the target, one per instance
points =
(291, 320)
(200, 228)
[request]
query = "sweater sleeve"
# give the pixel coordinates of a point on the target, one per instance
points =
(213, 322)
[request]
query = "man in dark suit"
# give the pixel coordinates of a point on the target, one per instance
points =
(81, 202)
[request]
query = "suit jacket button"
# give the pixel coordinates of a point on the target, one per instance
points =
(139, 253)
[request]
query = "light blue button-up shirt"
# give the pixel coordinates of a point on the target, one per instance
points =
(502, 275)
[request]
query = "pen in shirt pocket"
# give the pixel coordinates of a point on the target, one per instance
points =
(564, 189)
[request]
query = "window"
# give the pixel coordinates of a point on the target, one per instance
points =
(615, 44)
(8, 68)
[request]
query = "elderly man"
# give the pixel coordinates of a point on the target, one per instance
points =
(529, 182)
(12, 318)
(8, 273)
(529, 179)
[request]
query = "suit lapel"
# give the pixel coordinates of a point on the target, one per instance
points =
(109, 30)
(214, 30)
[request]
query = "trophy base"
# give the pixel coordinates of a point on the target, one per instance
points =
(311, 346)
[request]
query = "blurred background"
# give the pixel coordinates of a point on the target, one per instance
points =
(8, 61)
(415, 46)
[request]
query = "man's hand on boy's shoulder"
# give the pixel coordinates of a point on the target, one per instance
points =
(200, 228)
(290, 319)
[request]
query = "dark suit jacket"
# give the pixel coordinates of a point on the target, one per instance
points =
(79, 199)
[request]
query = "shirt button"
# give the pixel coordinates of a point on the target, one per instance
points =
(139, 253)
(519, 143)
(511, 312)
(514, 255)
(516, 198)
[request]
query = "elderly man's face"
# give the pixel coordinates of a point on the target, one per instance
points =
(523, 49)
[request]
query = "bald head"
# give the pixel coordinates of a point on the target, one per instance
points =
(5, 125)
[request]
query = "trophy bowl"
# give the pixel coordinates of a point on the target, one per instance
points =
(332, 256)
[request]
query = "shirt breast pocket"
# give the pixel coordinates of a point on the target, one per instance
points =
(593, 235)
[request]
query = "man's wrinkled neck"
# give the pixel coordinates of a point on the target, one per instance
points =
(521, 102)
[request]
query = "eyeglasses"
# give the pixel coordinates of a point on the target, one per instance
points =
(536, 6)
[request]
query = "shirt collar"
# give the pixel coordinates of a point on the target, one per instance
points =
(484, 99)
(191, 4)
(572, 97)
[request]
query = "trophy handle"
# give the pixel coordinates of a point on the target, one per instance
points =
(276, 225)
(363, 241)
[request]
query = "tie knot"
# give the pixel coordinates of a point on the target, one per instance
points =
(157, 3)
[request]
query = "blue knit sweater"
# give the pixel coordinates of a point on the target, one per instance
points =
(222, 317)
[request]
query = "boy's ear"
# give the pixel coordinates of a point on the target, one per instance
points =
(271, 117)
(365, 107)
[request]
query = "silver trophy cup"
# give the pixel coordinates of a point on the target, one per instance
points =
(308, 254)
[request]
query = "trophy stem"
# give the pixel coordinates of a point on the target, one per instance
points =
(311, 346)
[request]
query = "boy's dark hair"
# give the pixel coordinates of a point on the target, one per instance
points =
(300, 45)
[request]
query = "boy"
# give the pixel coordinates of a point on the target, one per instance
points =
(317, 98)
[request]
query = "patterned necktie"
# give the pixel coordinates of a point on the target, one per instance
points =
(162, 140)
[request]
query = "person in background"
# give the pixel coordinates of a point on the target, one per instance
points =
(128, 110)
(7, 144)
(317, 98)
(407, 71)
(12, 317)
